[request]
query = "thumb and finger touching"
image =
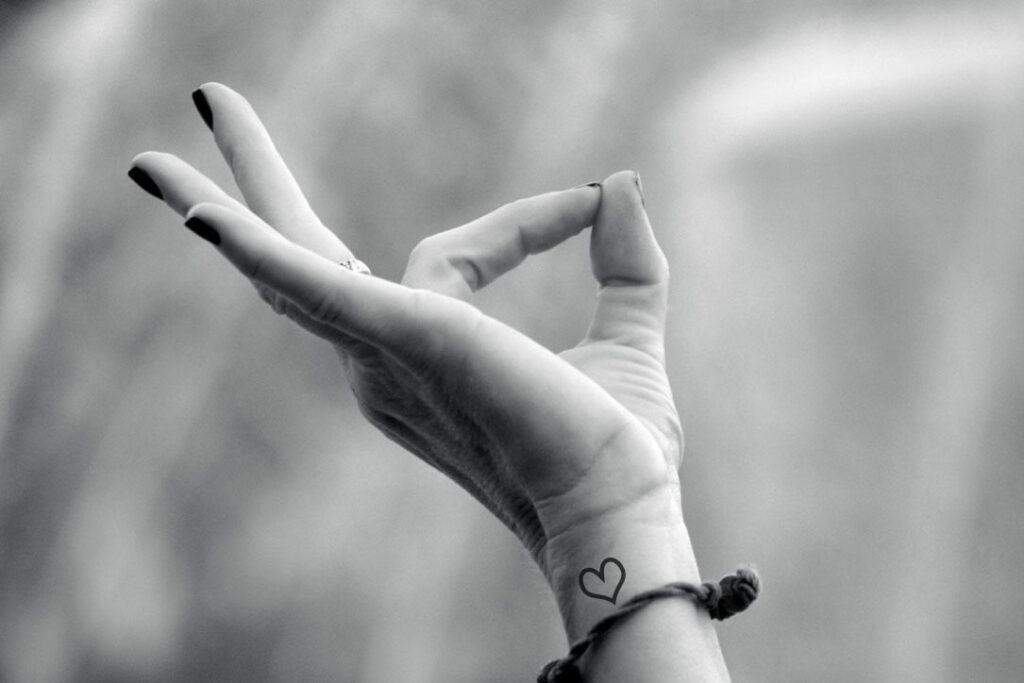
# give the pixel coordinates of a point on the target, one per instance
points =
(501, 370)
(632, 274)
(624, 348)
(626, 260)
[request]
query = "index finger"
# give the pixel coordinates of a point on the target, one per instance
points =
(459, 261)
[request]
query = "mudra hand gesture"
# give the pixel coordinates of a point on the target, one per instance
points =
(577, 453)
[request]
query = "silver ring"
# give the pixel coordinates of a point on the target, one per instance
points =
(356, 266)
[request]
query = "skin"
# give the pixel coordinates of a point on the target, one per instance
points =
(577, 452)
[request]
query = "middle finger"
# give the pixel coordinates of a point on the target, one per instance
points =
(268, 186)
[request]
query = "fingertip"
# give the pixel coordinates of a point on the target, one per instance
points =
(225, 218)
(207, 210)
(208, 92)
(623, 247)
(154, 161)
(590, 202)
(194, 212)
(144, 181)
(203, 229)
(212, 86)
(233, 228)
(210, 221)
(141, 157)
(146, 162)
(214, 92)
(626, 182)
(203, 107)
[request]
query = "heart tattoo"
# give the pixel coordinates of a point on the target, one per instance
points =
(603, 587)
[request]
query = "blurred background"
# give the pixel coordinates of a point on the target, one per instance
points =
(188, 493)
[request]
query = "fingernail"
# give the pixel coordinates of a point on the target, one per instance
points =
(640, 189)
(204, 107)
(203, 229)
(143, 180)
(587, 185)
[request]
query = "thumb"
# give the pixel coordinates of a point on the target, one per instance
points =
(630, 268)
(623, 250)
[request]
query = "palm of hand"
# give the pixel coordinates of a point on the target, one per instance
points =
(524, 480)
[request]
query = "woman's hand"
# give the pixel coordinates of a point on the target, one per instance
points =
(577, 453)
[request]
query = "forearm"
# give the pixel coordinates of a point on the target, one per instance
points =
(671, 639)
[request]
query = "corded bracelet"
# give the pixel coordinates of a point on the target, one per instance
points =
(730, 596)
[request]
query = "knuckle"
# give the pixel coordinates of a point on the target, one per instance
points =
(323, 307)
(418, 304)
(516, 205)
(255, 266)
(270, 297)
(425, 305)
(428, 249)
(435, 264)
(521, 215)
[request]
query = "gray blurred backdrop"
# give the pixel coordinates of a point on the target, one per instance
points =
(188, 493)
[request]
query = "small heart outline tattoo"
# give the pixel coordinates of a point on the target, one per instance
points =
(599, 573)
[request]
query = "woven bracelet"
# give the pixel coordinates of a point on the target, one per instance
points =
(731, 595)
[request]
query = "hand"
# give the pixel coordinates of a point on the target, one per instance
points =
(549, 443)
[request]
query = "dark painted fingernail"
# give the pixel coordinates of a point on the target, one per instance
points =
(640, 189)
(204, 107)
(143, 180)
(203, 229)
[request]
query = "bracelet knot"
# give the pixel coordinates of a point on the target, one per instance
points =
(735, 593)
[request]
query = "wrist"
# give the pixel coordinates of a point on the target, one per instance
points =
(618, 555)
(642, 546)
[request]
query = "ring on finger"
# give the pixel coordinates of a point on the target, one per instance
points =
(356, 266)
